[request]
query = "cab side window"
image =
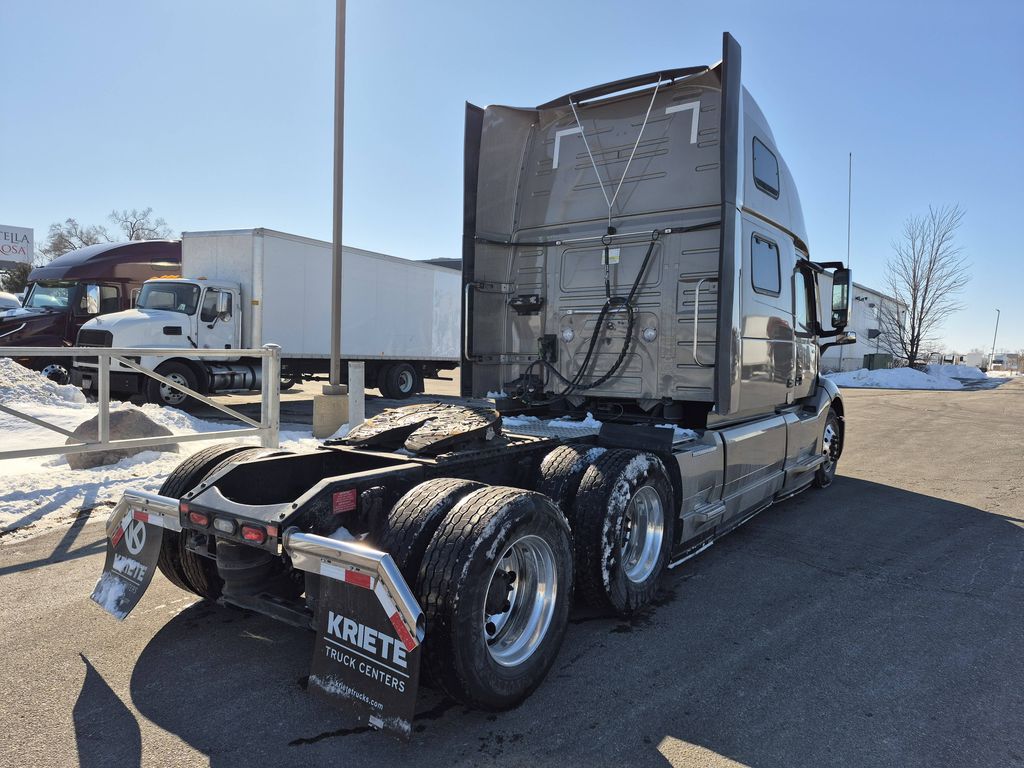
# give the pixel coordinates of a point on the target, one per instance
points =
(109, 299)
(209, 311)
(764, 266)
(803, 298)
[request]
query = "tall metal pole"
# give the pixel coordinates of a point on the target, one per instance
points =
(992, 357)
(339, 180)
(849, 209)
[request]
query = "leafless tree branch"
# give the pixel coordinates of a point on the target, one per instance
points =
(926, 276)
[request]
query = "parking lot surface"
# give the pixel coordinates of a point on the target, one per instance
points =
(879, 622)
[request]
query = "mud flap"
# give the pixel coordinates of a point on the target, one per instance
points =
(133, 547)
(365, 659)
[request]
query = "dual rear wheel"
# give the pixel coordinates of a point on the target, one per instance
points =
(495, 568)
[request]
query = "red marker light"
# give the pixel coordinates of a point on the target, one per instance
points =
(254, 533)
(199, 518)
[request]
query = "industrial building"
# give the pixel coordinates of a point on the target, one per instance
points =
(868, 310)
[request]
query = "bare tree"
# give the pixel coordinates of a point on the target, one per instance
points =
(15, 278)
(140, 225)
(68, 236)
(926, 275)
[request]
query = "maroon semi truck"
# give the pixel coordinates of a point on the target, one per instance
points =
(76, 287)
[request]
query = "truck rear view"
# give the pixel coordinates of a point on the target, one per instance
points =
(634, 251)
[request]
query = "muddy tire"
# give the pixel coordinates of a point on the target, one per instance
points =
(495, 587)
(623, 525)
(561, 472)
(183, 568)
(831, 447)
(411, 524)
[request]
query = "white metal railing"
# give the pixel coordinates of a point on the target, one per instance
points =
(267, 428)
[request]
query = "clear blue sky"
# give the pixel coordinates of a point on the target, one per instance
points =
(218, 113)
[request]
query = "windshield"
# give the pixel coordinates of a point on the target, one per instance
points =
(176, 297)
(53, 296)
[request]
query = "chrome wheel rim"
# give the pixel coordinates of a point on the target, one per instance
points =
(405, 381)
(643, 531)
(520, 601)
(829, 445)
(173, 396)
(56, 373)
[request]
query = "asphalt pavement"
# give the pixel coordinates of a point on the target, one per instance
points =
(879, 622)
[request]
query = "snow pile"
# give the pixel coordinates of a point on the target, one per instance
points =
(45, 492)
(893, 378)
(680, 434)
(955, 371)
(588, 423)
(524, 421)
(19, 384)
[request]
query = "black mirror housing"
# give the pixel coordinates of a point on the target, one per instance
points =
(842, 288)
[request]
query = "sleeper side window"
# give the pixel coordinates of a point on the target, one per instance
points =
(766, 169)
(764, 266)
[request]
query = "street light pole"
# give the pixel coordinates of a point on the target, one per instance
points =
(331, 409)
(339, 183)
(992, 357)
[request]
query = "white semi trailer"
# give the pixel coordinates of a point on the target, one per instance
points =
(683, 313)
(241, 289)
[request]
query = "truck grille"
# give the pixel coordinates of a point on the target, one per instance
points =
(89, 337)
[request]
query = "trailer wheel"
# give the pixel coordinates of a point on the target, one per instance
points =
(561, 472)
(496, 585)
(159, 393)
(399, 381)
(289, 380)
(409, 526)
(173, 555)
(831, 448)
(622, 530)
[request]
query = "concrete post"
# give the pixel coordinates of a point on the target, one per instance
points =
(356, 393)
(270, 397)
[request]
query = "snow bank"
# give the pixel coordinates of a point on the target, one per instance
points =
(45, 492)
(19, 384)
(893, 378)
(955, 371)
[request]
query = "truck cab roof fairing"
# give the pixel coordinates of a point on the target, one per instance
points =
(549, 178)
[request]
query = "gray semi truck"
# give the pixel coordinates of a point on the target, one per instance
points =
(635, 251)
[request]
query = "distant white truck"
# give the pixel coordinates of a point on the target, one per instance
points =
(245, 288)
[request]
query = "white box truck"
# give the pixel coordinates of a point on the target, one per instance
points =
(241, 289)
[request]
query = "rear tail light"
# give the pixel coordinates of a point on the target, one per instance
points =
(199, 518)
(254, 533)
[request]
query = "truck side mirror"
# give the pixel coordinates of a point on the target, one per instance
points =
(841, 340)
(842, 283)
(223, 305)
(92, 299)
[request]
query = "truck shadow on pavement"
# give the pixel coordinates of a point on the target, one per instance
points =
(863, 625)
